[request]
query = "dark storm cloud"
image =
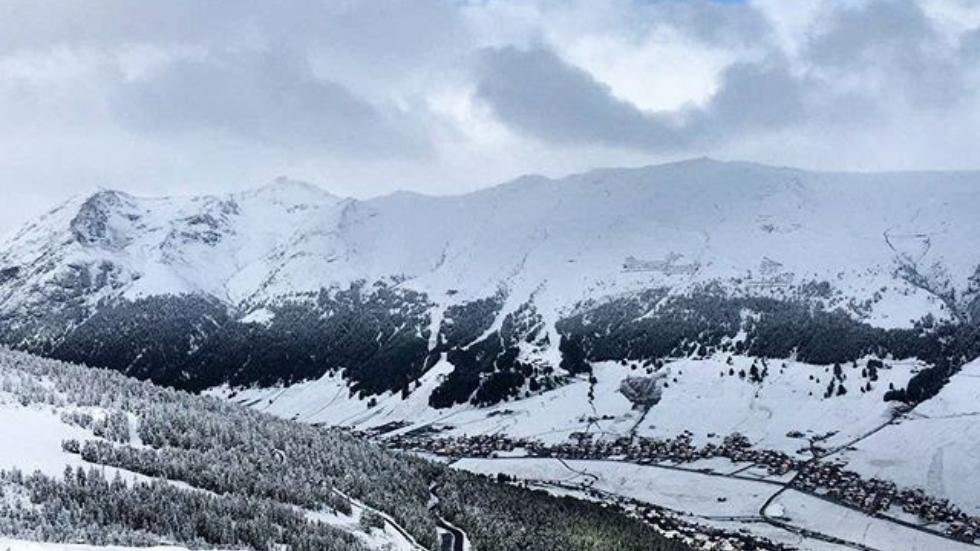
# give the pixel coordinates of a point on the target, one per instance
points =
(861, 64)
(536, 92)
(310, 75)
(316, 76)
(750, 97)
(853, 36)
(274, 99)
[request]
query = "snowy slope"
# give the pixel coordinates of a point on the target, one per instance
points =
(200, 473)
(400, 299)
(393, 284)
(32, 436)
(698, 398)
(568, 239)
(936, 446)
(287, 283)
(149, 246)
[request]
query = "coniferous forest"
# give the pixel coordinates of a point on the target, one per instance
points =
(209, 474)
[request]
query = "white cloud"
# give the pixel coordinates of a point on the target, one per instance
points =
(366, 97)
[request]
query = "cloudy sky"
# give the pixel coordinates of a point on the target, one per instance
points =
(362, 98)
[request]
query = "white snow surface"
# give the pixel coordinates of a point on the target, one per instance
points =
(32, 436)
(935, 447)
(704, 399)
(564, 240)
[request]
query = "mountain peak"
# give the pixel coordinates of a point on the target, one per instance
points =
(94, 222)
(285, 190)
(287, 184)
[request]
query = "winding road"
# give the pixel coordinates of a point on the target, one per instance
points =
(458, 541)
(409, 538)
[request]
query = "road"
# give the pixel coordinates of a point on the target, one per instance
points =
(458, 538)
(409, 539)
(459, 541)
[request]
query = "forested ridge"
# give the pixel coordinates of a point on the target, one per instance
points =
(379, 338)
(710, 320)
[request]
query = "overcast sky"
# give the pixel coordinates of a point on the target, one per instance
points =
(171, 96)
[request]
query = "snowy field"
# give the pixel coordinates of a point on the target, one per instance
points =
(935, 447)
(689, 492)
(724, 502)
(704, 399)
(32, 437)
(816, 514)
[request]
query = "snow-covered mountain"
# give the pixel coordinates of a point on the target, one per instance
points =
(287, 282)
(824, 318)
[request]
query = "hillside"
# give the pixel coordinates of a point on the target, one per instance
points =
(95, 457)
(517, 285)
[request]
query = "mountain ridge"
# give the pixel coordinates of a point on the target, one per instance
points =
(392, 278)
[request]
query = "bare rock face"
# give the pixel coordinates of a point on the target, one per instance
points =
(102, 220)
(643, 392)
(9, 274)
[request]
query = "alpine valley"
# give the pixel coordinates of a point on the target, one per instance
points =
(725, 345)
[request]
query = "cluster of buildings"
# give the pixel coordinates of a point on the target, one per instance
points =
(874, 495)
(827, 479)
(667, 266)
(706, 537)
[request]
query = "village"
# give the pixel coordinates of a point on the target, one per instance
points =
(825, 479)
